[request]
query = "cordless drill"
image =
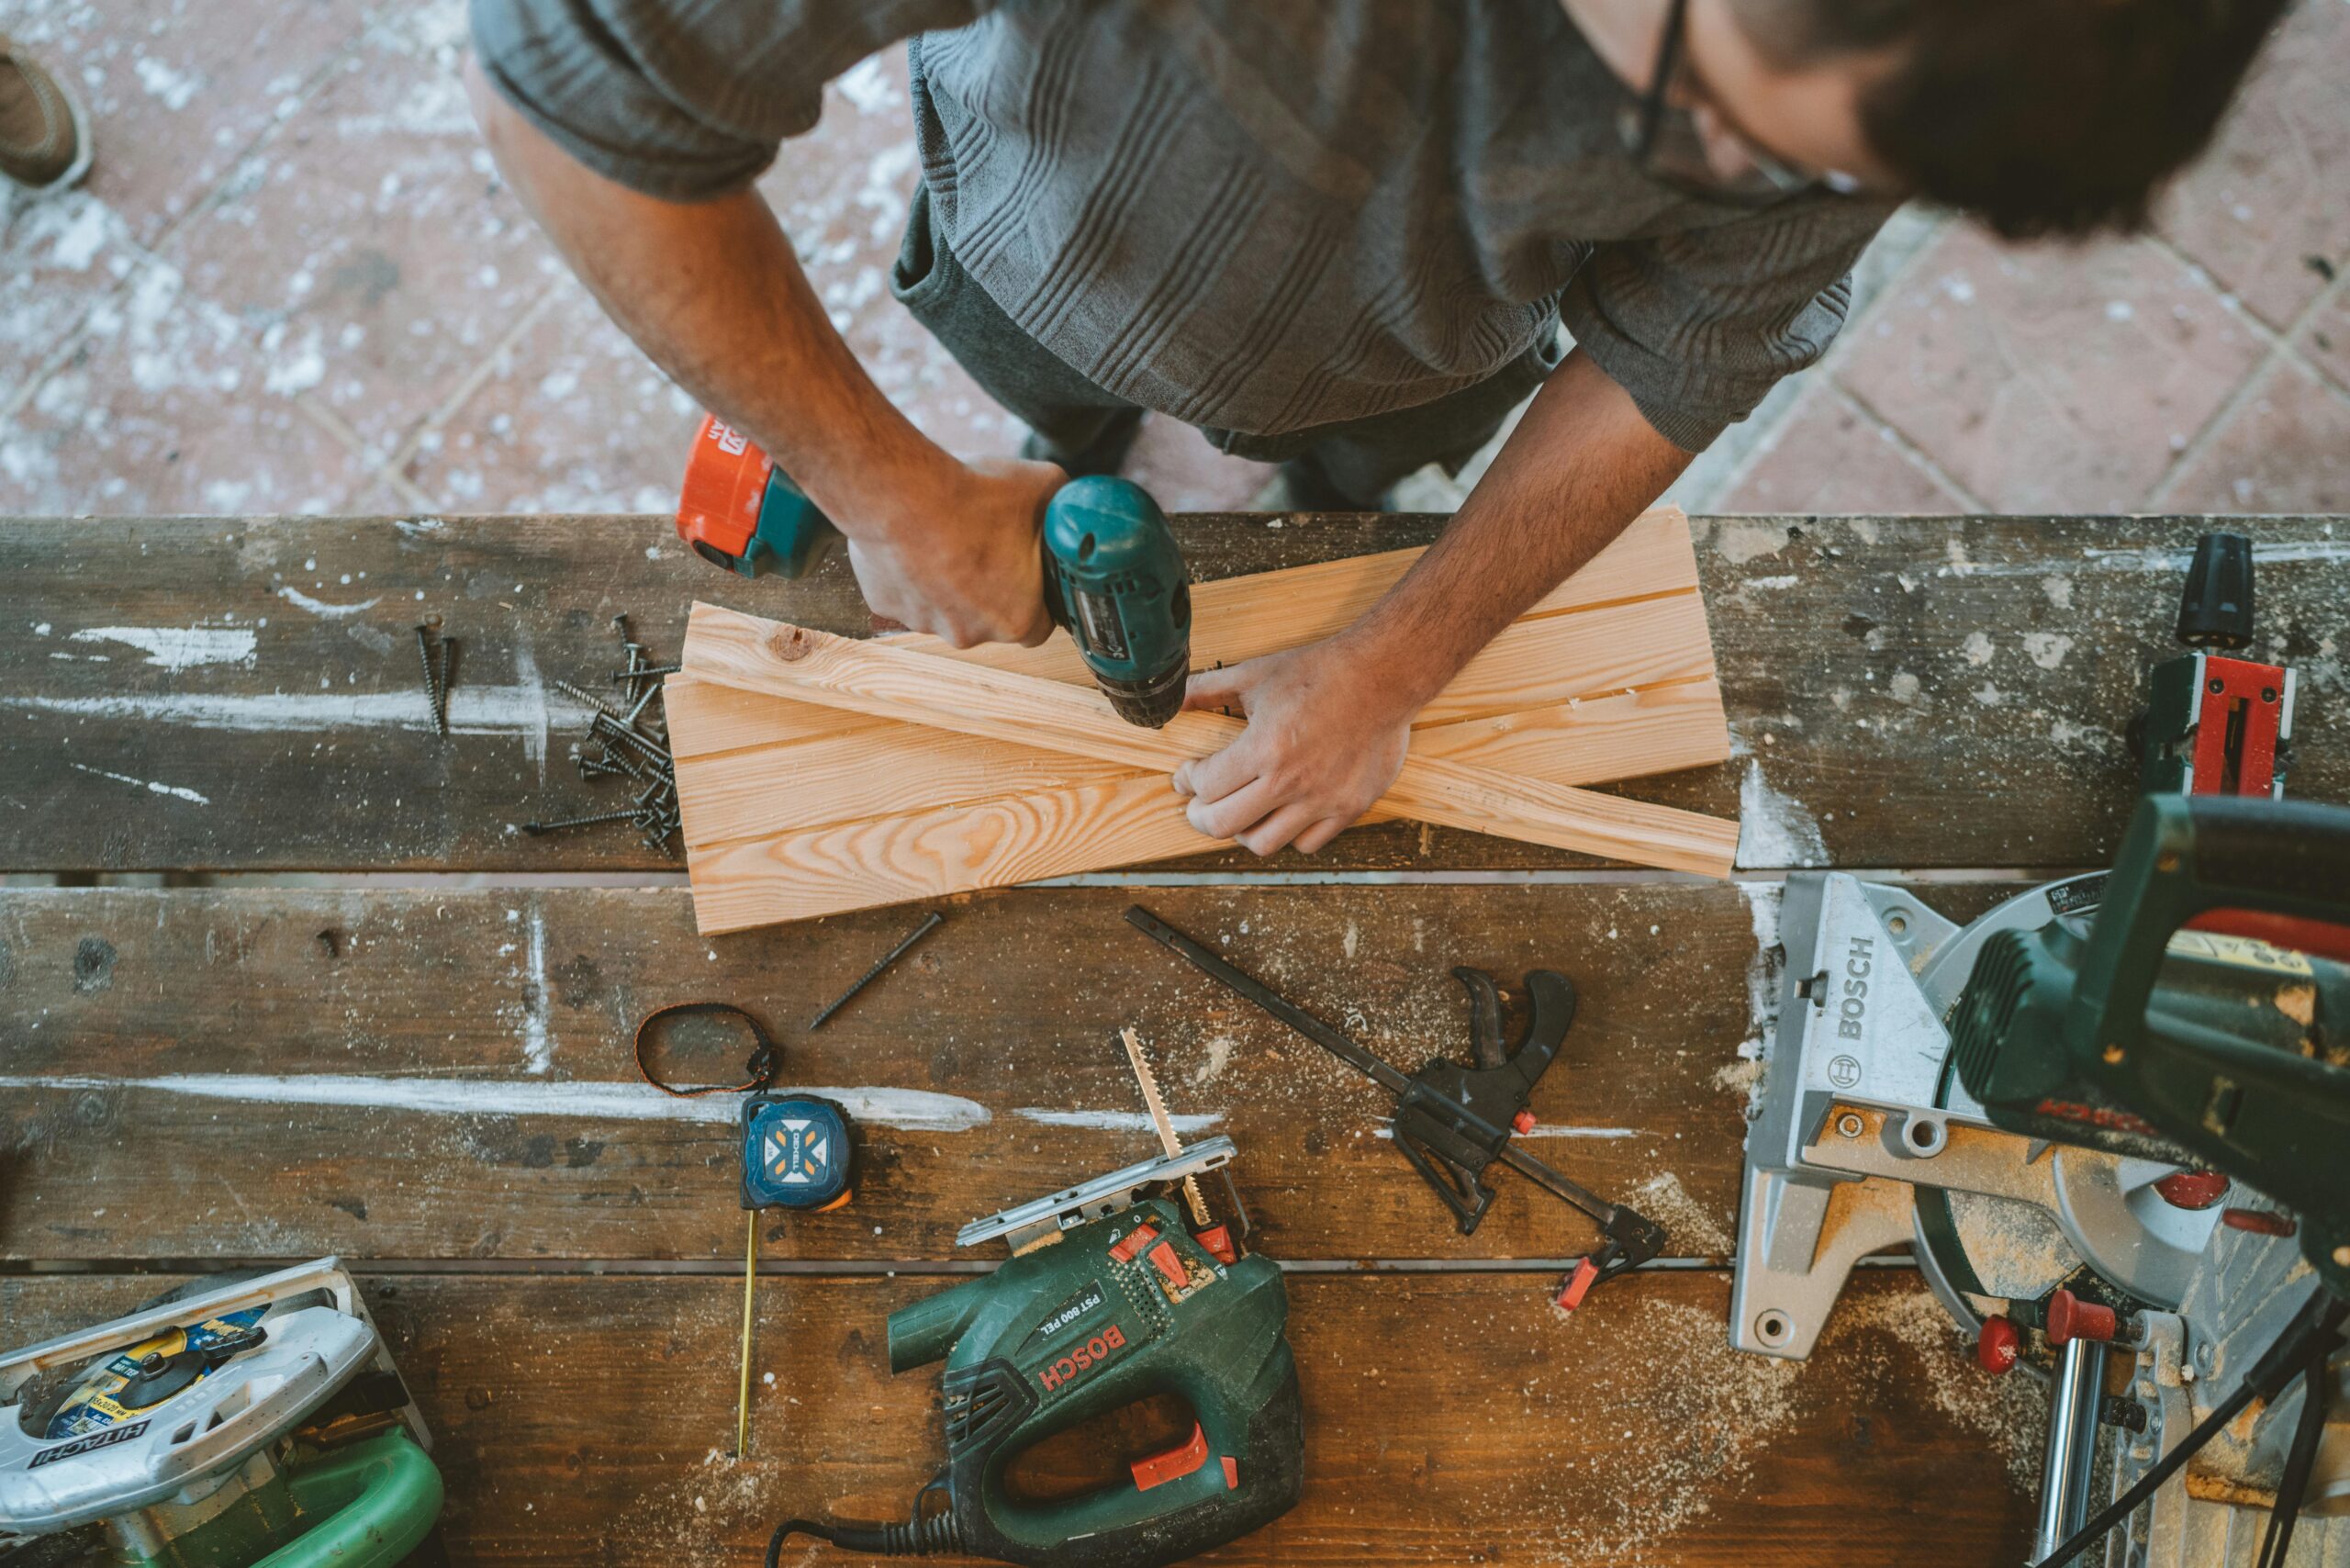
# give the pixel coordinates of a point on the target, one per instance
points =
(1113, 576)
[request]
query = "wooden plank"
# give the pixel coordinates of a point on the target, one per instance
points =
(1629, 645)
(895, 769)
(781, 782)
(875, 678)
(446, 1074)
(1885, 677)
(839, 867)
(1233, 619)
(1449, 1419)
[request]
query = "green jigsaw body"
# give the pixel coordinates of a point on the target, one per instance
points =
(1090, 1324)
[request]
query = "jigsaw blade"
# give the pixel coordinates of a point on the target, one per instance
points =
(1165, 1124)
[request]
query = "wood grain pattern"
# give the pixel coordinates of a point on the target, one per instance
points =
(885, 769)
(871, 677)
(794, 809)
(1884, 676)
(1538, 662)
(1450, 1420)
(445, 1073)
(1237, 618)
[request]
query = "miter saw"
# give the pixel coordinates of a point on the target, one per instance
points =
(2141, 1139)
(257, 1424)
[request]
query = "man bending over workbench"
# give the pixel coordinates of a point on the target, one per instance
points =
(1339, 235)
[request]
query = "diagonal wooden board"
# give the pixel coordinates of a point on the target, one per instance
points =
(793, 809)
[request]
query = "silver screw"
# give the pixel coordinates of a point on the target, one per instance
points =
(1848, 1125)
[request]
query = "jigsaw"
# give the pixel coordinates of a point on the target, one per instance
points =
(254, 1422)
(2109, 1113)
(1107, 1300)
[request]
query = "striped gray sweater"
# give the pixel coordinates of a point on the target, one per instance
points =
(1258, 215)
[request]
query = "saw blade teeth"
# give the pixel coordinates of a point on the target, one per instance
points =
(1163, 1122)
(1150, 1097)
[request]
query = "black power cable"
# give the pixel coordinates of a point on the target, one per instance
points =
(2314, 1333)
(2295, 1483)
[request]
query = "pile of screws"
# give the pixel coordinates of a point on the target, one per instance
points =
(628, 740)
(438, 670)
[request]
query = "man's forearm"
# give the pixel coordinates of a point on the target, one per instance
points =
(713, 292)
(1581, 465)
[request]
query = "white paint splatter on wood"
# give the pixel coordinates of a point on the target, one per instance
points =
(538, 1037)
(2047, 649)
(171, 790)
(1774, 830)
(523, 711)
(320, 607)
(918, 1109)
(179, 647)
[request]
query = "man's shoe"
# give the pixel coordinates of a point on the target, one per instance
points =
(44, 131)
(1106, 453)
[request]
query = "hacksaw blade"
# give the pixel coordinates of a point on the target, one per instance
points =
(1164, 1123)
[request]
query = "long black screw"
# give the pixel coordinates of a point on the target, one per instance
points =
(433, 690)
(448, 682)
(602, 817)
(930, 922)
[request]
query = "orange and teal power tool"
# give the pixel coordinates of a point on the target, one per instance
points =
(1113, 579)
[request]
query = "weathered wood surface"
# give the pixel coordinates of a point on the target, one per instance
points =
(1919, 692)
(447, 1074)
(1450, 1419)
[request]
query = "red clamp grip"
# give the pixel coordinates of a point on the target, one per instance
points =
(2070, 1317)
(1578, 1285)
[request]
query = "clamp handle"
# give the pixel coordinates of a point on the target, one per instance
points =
(1449, 1155)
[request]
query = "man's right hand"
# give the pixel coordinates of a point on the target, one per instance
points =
(962, 560)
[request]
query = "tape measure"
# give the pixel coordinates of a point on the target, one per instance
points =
(796, 1153)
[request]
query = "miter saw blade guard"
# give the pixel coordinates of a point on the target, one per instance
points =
(185, 1420)
(1863, 1140)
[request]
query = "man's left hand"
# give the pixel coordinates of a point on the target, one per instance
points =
(1325, 737)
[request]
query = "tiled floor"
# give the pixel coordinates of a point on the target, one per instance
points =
(295, 284)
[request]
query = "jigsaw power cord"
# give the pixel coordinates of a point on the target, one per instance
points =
(2314, 1333)
(920, 1535)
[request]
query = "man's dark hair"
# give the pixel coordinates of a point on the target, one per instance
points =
(2044, 116)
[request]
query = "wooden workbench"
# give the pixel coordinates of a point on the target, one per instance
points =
(429, 1073)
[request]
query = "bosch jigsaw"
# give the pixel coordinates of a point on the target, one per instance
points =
(1108, 1300)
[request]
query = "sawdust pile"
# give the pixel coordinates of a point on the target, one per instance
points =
(1686, 1442)
(1695, 1232)
(1661, 1451)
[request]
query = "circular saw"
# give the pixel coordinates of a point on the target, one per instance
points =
(2109, 1119)
(256, 1421)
